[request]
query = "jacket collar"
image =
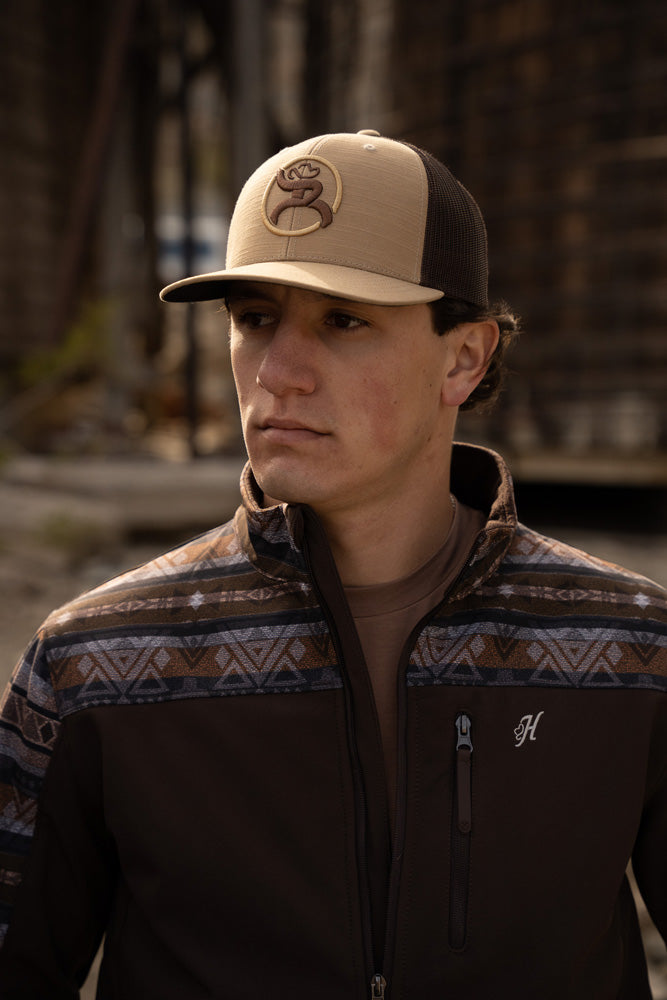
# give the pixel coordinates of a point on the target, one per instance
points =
(272, 537)
(481, 479)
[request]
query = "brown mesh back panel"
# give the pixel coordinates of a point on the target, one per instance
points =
(455, 253)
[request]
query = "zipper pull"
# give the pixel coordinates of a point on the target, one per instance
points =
(378, 986)
(463, 773)
(463, 727)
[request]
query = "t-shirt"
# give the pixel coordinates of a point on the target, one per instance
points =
(386, 614)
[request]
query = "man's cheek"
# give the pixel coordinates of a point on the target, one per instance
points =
(381, 405)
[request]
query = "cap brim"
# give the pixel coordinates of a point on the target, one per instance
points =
(329, 279)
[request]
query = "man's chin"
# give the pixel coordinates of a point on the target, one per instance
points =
(281, 480)
(268, 501)
(276, 490)
(276, 493)
(292, 479)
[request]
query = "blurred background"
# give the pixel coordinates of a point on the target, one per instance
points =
(127, 130)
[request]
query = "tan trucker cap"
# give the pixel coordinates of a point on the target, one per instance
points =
(354, 215)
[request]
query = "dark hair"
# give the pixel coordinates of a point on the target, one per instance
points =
(450, 313)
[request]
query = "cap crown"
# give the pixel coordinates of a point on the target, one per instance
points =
(379, 220)
(356, 215)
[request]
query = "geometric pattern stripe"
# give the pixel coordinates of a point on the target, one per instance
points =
(481, 657)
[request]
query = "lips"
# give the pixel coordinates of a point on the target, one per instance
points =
(284, 431)
(286, 425)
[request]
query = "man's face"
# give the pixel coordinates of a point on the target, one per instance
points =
(340, 401)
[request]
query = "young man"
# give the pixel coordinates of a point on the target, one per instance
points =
(372, 738)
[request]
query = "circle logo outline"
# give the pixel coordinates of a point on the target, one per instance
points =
(316, 225)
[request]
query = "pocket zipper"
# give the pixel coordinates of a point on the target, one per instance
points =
(378, 986)
(461, 834)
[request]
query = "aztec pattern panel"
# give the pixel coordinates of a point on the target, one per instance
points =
(550, 616)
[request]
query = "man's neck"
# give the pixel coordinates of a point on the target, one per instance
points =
(382, 545)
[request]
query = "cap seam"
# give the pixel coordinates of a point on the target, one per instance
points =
(419, 270)
(290, 239)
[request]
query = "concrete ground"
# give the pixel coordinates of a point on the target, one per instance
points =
(66, 526)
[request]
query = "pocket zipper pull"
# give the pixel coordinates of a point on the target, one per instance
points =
(463, 773)
(378, 986)
(463, 727)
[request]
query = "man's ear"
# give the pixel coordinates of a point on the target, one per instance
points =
(472, 345)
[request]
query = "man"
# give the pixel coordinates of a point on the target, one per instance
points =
(373, 738)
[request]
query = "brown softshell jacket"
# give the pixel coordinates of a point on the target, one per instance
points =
(191, 765)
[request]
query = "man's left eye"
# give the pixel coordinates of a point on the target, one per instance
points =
(345, 321)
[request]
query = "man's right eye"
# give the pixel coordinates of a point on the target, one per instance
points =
(252, 319)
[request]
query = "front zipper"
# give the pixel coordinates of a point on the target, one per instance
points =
(461, 833)
(378, 982)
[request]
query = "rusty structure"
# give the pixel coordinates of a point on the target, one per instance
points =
(554, 115)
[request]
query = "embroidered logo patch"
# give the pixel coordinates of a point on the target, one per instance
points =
(312, 183)
(526, 729)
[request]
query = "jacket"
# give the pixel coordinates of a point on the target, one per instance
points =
(191, 766)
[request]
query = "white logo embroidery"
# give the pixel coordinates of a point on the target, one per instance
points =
(526, 728)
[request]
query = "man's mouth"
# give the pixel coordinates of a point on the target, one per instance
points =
(281, 430)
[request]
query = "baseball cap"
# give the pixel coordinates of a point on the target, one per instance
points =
(357, 216)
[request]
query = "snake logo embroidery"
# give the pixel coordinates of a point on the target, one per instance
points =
(305, 180)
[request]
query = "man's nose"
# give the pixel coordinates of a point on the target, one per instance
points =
(287, 364)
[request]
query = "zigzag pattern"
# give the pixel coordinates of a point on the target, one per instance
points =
(463, 656)
(162, 667)
(549, 616)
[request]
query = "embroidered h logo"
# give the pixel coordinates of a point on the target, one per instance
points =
(526, 729)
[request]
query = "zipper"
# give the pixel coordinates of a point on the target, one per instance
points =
(378, 986)
(378, 982)
(461, 834)
(401, 804)
(399, 823)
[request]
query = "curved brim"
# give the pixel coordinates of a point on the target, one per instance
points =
(329, 279)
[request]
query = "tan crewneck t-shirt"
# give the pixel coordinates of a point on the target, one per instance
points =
(386, 614)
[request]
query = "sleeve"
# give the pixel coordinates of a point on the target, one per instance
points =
(56, 861)
(649, 860)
